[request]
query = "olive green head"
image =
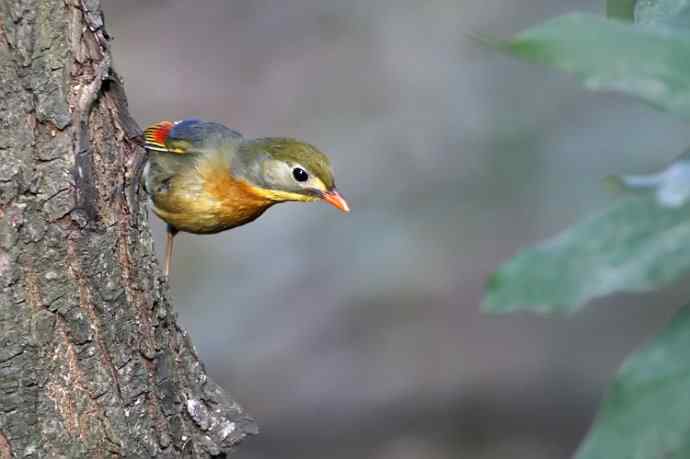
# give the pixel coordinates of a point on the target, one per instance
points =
(285, 164)
(286, 169)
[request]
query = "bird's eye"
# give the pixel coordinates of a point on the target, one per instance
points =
(300, 174)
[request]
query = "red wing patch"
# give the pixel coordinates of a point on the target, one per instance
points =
(157, 134)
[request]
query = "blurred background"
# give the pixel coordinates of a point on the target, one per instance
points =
(360, 335)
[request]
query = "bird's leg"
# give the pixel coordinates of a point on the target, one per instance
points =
(171, 231)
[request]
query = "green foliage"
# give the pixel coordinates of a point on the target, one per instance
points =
(648, 11)
(634, 246)
(647, 411)
(621, 9)
(662, 12)
(650, 63)
(640, 243)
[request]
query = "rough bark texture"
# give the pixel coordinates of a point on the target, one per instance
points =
(92, 362)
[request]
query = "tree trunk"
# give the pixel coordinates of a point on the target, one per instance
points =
(92, 363)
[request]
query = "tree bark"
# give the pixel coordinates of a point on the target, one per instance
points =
(92, 362)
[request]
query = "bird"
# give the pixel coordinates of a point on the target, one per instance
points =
(202, 177)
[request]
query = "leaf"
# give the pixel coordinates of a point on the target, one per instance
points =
(662, 11)
(647, 411)
(651, 63)
(621, 9)
(636, 245)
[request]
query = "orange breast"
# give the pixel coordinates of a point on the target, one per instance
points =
(209, 200)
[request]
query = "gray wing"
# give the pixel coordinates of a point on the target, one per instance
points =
(195, 134)
(174, 147)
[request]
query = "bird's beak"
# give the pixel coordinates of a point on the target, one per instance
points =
(333, 198)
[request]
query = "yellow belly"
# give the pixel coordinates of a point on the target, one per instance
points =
(207, 221)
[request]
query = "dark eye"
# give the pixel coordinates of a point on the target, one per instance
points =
(300, 174)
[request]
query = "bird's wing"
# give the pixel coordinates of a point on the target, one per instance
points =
(177, 149)
(188, 136)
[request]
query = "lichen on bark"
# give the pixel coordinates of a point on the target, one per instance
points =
(92, 361)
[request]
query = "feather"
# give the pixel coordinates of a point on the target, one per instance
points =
(198, 135)
(156, 136)
(186, 135)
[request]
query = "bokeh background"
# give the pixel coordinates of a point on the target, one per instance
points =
(360, 335)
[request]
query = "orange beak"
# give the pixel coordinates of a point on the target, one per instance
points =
(333, 198)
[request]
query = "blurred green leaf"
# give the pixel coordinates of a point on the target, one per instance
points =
(651, 63)
(621, 9)
(674, 12)
(647, 411)
(636, 245)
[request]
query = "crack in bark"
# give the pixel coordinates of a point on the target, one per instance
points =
(86, 304)
(86, 93)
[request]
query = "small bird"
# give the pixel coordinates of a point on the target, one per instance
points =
(203, 178)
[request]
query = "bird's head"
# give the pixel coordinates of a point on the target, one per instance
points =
(285, 169)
